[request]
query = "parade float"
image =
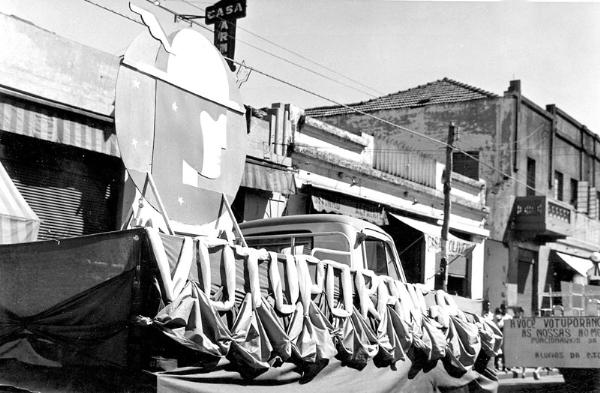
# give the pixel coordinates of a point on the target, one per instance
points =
(178, 302)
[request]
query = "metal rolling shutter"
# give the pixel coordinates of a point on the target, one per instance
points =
(76, 197)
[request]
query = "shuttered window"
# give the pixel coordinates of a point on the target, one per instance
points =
(592, 203)
(573, 192)
(466, 165)
(530, 177)
(73, 191)
(558, 186)
(582, 196)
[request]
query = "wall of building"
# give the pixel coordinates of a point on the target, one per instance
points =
(43, 64)
(474, 118)
(495, 271)
(533, 141)
(506, 131)
(477, 123)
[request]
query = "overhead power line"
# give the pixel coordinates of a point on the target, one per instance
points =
(159, 5)
(300, 55)
(114, 12)
(318, 95)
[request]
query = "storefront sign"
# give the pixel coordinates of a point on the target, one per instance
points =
(349, 207)
(224, 15)
(226, 9)
(552, 342)
(225, 39)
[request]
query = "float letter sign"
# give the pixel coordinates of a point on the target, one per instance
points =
(224, 15)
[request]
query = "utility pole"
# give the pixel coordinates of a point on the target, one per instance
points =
(447, 180)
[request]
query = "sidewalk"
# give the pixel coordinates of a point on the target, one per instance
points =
(528, 373)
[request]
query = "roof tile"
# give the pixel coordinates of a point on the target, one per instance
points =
(438, 92)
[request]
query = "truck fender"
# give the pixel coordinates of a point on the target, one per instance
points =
(292, 280)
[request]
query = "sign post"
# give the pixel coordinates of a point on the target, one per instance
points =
(224, 15)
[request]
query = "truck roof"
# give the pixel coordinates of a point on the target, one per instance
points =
(310, 218)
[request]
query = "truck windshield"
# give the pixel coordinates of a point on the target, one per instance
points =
(380, 258)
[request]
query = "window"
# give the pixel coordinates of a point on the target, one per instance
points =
(465, 165)
(530, 177)
(573, 199)
(281, 242)
(558, 186)
(379, 257)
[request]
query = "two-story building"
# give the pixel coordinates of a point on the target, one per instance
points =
(541, 168)
(342, 172)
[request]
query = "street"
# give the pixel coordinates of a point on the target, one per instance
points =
(547, 384)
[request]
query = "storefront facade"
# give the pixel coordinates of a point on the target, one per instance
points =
(541, 173)
(56, 134)
(334, 173)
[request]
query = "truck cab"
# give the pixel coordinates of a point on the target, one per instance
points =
(347, 240)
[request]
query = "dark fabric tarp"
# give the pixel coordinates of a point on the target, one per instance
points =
(68, 301)
(248, 339)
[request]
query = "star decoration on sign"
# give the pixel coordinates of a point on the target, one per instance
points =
(136, 84)
(174, 106)
(134, 142)
(180, 201)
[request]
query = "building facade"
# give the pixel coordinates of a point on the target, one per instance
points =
(342, 172)
(58, 142)
(541, 168)
(59, 148)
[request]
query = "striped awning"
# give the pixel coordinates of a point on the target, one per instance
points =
(18, 222)
(267, 178)
(24, 118)
(329, 202)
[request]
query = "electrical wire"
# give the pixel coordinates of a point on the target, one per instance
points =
(318, 95)
(303, 57)
(159, 5)
(114, 12)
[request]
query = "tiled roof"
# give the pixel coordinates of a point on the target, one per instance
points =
(441, 91)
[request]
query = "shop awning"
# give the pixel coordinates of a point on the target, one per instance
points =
(580, 265)
(433, 236)
(22, 118)
(327, 202)
(266, 178)
(18, 222)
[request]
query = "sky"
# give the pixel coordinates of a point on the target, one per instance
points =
(381, 46)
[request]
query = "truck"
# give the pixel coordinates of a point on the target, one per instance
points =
(148, 311)
(155, 309)
(347, 240)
